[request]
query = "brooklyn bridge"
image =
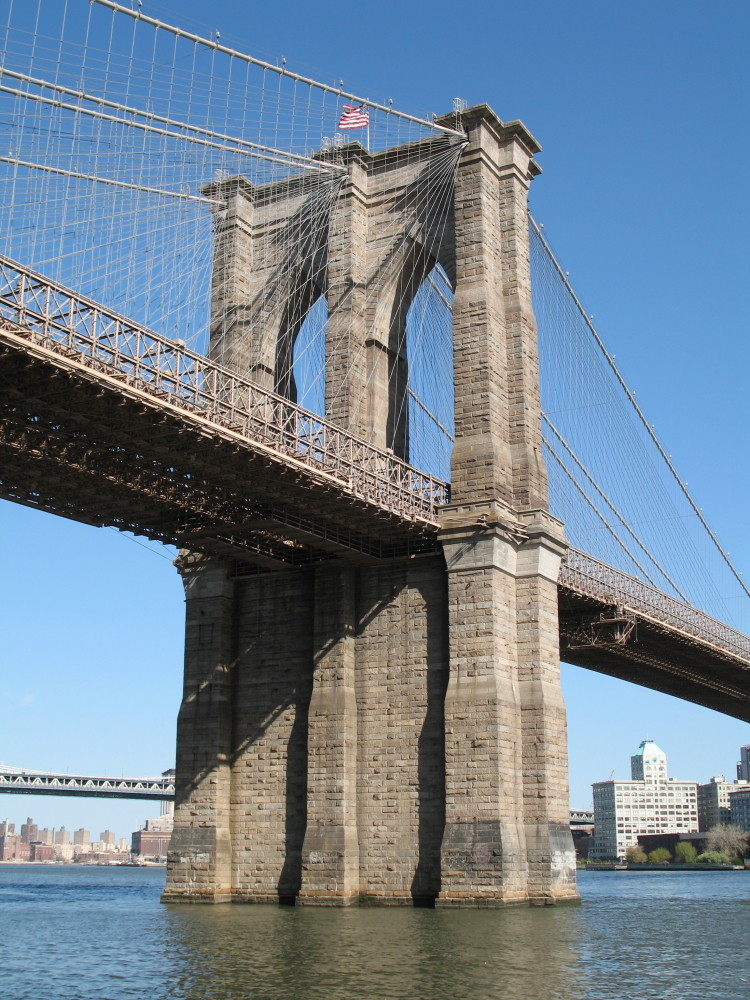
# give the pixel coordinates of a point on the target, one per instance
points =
(321, 346)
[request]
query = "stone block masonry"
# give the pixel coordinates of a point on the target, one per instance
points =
(331, 787)
(388, 731)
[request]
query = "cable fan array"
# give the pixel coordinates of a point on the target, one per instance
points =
(203, 193)
(118, 137)
(610, 479)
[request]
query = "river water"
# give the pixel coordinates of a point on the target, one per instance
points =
(86, 933)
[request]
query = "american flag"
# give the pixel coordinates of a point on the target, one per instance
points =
(355, 116)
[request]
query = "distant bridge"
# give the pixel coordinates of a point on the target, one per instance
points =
(581, 817)
(18, 781)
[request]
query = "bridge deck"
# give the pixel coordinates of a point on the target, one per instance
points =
(105, 422)
(615, 624)
(178, 448)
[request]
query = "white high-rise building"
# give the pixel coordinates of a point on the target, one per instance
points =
(651, 802)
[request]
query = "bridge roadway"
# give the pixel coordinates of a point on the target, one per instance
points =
(108, 423)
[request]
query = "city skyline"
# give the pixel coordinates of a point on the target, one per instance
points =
(92, 620)
(55, 834)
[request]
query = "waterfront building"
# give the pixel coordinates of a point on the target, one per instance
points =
(64, 852)
(713, 803)
(12, 848)
(103, 858)
(41, 852)
(81, 837)
(153, 840)
(650, 841)
(62, 836)
(739, 802)
(651, 802)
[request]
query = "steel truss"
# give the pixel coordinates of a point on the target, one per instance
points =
(584, 575)
(54, 317)
(21, 782)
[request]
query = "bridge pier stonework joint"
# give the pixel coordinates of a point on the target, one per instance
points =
(392, 730)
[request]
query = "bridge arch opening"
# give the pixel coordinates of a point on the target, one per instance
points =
(426, 406)
(301, 350)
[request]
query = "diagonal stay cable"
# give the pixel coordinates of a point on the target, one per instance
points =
(582, 468)
(657, 443)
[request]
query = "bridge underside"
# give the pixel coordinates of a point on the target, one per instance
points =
(76, 443)
(629, 646)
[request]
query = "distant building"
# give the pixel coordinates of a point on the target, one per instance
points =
(12, 848)
(153, 840)
(650, 803)
(739, 802)
(107, 837)
(82, 837)
(46, 835)
(743, 766)
(102, 858)
(650, 841)
(29, 831)
(648, 763)
(62, 836)
(713, 803)
(162, 824)
(42, 852)
(151, 844)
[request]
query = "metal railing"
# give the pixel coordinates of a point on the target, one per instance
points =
(586, 575)
(54, 317)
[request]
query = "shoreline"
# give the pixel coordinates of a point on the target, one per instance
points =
(86, 864)
(649, 867)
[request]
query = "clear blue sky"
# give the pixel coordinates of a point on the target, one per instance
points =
(642, 112)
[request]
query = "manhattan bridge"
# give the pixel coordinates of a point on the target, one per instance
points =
(321, 346)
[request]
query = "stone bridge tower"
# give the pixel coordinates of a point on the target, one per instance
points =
(392, 730)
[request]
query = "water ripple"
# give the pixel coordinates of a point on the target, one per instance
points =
(74, 933)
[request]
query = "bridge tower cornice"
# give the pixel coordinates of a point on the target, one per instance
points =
(513, 136)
